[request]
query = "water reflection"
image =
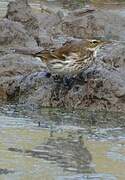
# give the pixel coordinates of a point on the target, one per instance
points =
(69, 154)
(65, 144)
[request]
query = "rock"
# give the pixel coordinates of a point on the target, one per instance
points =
(41, 97)
(49, 23)
(24, 79)
(3, 94)
(41, 27)
(14, 65)
(99, 23)
(20, 88)
(20, 11)
(13, 68)
(13, 34)
(13, 92)
(44, 39)
(113, 54)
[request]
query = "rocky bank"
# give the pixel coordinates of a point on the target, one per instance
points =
(22, 77)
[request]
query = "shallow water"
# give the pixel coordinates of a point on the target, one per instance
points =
(61, 145)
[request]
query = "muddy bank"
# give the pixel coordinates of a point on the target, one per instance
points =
(25, 79)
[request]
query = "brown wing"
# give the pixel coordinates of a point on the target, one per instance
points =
(60, 53)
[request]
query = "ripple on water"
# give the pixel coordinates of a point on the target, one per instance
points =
(95, 176)
(14, 122)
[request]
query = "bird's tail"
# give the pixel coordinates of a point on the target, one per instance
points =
(26, 51)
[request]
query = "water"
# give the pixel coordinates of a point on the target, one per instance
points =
(61, 145)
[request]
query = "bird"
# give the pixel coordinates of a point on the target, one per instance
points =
(66, 63)
(72, 57)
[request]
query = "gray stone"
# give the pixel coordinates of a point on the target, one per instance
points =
(13, 34)
(21, 11)
(99, 23)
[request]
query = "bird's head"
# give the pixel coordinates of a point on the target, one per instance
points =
(94, 44)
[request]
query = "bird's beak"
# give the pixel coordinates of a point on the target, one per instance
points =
(107, 42)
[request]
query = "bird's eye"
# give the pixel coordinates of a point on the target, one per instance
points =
(94, 42)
